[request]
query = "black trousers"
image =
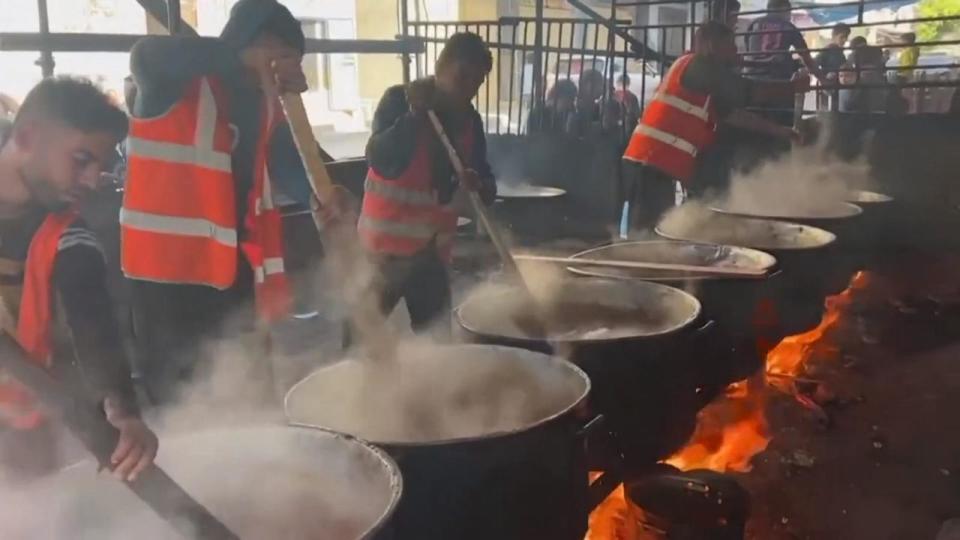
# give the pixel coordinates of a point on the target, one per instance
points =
(423, 282)
(179, 331)
(650, 192)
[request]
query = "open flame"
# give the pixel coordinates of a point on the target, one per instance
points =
(733, 429)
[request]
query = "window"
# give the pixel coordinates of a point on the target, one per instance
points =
(312, 63)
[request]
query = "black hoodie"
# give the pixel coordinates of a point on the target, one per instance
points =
(162, 67)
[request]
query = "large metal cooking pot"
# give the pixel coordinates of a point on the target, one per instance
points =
(644, 379)
(872, 237)
(507, 458)
(530, 212)
(804, 255)
(262, 482)
(731, 301)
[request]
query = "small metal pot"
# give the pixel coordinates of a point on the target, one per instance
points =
(528, 481)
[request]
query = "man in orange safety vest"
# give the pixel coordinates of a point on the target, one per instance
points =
(53, 275)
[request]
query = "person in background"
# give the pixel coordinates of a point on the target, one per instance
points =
(831, 59)
(553, 117)
(53, 276)
(700, 91)
(909, 56)
(596, 113)
(201, 234)
(773, 45)
(863, 90)
(726, 12)
(629, 103)
(408, 218)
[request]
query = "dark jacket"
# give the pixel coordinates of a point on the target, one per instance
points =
(393, 142)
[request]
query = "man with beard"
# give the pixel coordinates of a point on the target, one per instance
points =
(699, 92)
(53, 275)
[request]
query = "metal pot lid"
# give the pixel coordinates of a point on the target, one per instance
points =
(263, 482)
(862, 197)
(434, 395)
(528, 191)
(836, 210)
(675, 252)
(754, 233)
(582, 311)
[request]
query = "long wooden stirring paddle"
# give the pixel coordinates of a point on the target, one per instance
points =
(492, 230)
(340, 241)
(537, 324)
(726, 271)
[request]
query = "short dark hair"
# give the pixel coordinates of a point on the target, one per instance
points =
(841, 29)
(778, 4)
(910, 36)
(76, 102)
(623, 79)
(858, 41)
(711, 32)
(565, 88)
(466, 47)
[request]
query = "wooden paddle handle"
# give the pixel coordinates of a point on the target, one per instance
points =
(492, 231)
(633, 265)
(306, 144)
(86, 421)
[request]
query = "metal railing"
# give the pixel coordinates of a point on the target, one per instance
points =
(616, 44)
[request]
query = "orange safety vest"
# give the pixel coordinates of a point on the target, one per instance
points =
(400, 216)
(35, 320)
(676, 125)
(178, 220)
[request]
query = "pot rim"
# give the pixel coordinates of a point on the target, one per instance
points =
(571, 341)
(851, 210)
(383, 459)
(538, 192)
(855, 196)
(556, 360)
(829, 237)
(769, 263)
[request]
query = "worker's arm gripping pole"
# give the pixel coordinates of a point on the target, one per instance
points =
(492, 231)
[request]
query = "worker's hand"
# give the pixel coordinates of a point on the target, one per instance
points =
(289, 76)
(422, 95)
(790, 134)
(343, 208)
(136, 447)
(276, 73)
(471, 180)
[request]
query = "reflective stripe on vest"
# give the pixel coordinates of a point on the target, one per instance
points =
(35, 321)
(183, 226)
(676, 126)
(263, 242)
(178, 221)
(685, 106)
(401, 216)
(667, 138)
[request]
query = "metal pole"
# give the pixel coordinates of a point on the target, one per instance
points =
(45, 62)
(173, 16)
(537, 54)
(405, 57)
